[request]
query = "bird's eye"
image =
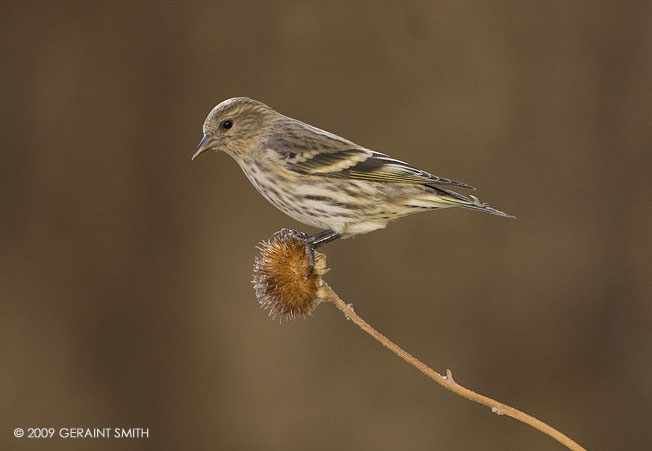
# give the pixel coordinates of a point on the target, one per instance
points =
(227, 124)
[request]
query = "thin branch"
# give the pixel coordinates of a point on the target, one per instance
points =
(327, 294)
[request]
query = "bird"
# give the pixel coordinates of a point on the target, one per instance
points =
(321, 179)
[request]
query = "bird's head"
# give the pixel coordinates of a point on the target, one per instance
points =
(235, 126)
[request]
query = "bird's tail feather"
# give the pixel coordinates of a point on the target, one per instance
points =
(475, 204)
(453, 199)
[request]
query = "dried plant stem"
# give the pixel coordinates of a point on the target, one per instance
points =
(327, 294)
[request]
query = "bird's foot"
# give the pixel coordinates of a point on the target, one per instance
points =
(310, 253)
(313, 242)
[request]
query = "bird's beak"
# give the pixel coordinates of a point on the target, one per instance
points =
(208, 142)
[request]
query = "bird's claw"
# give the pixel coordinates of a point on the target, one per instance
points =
(287, 234)
(310, 253)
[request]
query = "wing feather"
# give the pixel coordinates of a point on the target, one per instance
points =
(362, 164)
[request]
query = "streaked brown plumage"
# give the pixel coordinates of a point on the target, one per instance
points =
(322, 179)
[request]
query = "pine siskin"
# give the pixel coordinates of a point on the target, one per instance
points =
(321, 179)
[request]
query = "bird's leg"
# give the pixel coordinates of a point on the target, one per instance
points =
(326, 239)
(318, 236)
(313, 242)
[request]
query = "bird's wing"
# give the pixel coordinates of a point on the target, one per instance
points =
(361, 164)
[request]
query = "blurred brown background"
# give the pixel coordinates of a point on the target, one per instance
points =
(125, 268)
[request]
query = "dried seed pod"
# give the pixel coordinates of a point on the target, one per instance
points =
(282, 278)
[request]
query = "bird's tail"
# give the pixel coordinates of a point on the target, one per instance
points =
(445, 198)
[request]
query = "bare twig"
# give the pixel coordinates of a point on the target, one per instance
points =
(327, 294)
